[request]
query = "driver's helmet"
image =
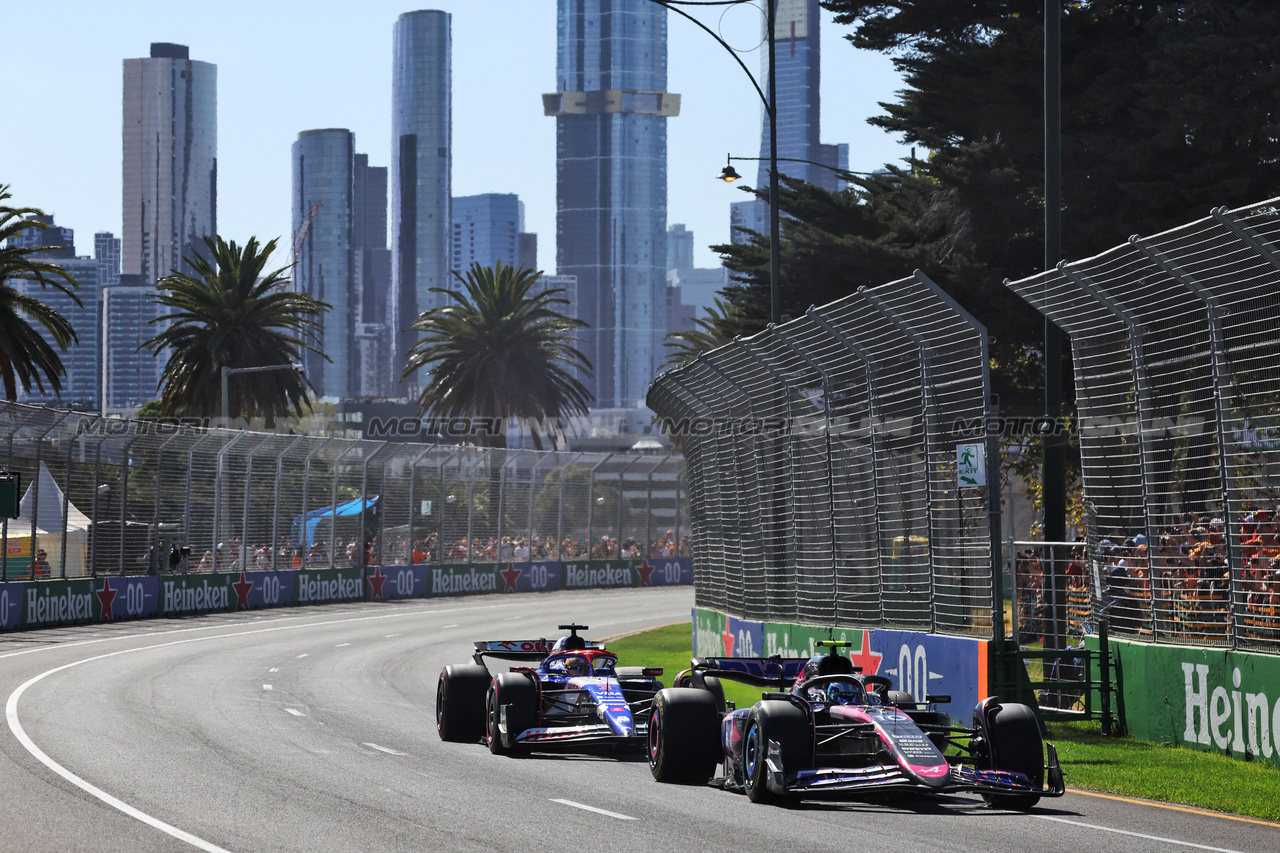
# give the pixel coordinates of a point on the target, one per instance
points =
(577, 667)
(843, 693)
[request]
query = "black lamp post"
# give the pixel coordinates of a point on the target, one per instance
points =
(770, 109)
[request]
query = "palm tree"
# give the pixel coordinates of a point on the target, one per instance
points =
(714, 330)
(26, 354)
(228, 314)
(496, 353)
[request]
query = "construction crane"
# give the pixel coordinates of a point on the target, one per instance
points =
(300, 236)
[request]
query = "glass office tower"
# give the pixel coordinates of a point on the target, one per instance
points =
(421, 136)
(170, 162)
(799, 58)
(611, 109)
(323, 201)
(486, 229)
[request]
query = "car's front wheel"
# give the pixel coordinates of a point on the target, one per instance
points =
(1016, 745)
(518, 696)
(684, 736)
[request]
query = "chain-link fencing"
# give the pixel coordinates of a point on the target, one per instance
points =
(1176, 348)
(824, 458)
(112, 496)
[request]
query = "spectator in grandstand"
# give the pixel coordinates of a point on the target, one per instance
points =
(520, 553)
(206, 562)
(40, 567)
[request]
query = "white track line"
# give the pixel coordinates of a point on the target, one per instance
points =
(594, 809)
(1161, 839)
(388, 750)
(295, 712)
(11, 711)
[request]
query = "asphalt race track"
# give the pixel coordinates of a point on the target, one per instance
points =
(313, 730)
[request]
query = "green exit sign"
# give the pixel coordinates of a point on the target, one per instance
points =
(10, 489)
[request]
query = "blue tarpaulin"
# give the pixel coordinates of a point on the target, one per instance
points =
(313, 518)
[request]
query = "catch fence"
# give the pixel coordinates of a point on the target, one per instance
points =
(823, 462)
(1175, 342)
(113, 496)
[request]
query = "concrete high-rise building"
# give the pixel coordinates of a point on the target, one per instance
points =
(486, 229)
(81, 358)
(527, 256)
(421, 140)
(170, 161)
(611, 108)
(799, 109)
(323, 203)
(106, 249)
(679, 248)
(53, 240)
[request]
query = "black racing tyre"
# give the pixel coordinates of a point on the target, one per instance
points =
(520, 695)
(460, 695)
(711, 683)
(1016, 745)
(684, 736)
(785, 723)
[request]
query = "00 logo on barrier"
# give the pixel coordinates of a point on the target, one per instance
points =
(671, 572)
(270, 590)
(404, 583)
(913, 671)
(538, 576)
(135, 599)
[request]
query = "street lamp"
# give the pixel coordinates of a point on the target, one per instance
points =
(729, 174)
(226, 375)
(770, 109)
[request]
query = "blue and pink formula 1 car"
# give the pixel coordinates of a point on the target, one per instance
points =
(828, 730)
(572, 694)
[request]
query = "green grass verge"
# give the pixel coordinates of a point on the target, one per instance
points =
(1122, 766)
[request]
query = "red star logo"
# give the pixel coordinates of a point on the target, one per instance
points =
(242, 588)
(727, 639)
(107, 595)
(865, 658)
(376, 580)
(645, 570)
(509, 574)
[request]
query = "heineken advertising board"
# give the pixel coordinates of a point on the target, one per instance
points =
(35, 604)
(1209, 699)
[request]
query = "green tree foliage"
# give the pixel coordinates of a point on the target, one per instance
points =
(714, 330)
(497, 354)
(229, 314)
(28, 355)
(1168, 110)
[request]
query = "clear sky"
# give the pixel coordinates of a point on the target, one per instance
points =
(287, 66)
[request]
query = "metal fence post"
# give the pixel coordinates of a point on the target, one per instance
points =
(275, 506)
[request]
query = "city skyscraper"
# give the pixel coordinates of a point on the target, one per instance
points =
(106, 249)
(486, 229)
(323, 205)
(679, 248)
(129, 376)
(170, 162)
(611, 107)
(799, 109)
(81, 358)
(372, 348)
(421, 188)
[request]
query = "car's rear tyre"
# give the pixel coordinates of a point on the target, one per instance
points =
(460, 696)
(684, 736)
(791, 728)
(1016, 745)
(520, 695)
(709, 683)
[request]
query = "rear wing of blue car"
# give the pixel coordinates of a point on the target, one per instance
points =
(760, 672)
(527, 650)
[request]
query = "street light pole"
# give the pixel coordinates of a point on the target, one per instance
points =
(226, 375)
(770, 109)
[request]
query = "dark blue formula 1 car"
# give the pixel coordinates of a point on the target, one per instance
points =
(573, 693)
(827, 730)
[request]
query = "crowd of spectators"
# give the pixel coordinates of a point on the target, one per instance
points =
(1180, 584)
(429, 549)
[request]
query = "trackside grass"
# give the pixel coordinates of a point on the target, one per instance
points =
(1121, 766)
